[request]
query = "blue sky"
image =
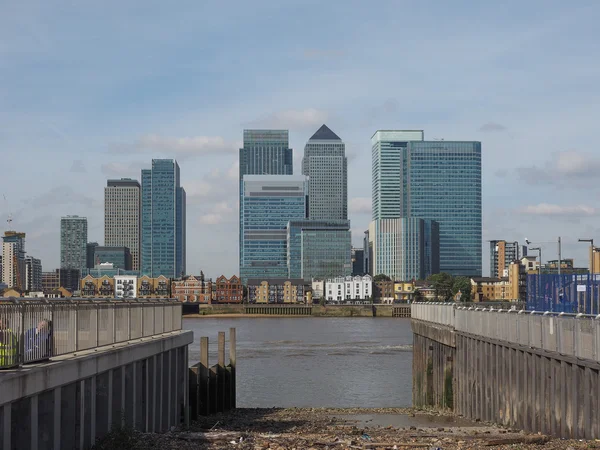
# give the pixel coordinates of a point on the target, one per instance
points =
(95, 90)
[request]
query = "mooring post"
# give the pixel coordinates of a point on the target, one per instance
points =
(221, 375)
(232, 358)
(204, 379)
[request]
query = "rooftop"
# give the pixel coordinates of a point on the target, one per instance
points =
(324, 134)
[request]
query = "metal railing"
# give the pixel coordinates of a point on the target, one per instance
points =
(37, 329)
(575, 335)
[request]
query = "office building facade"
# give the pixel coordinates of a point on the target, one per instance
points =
(122, 209)
(73, 242)
(440, 181)
(13, 260)
(163, 223)
(358, 261)
(405, 249)
(33, 274)
(269, 202)
(502, 253)
(119, 257)
(326, 166)
(90, 248)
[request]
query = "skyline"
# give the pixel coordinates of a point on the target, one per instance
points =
(113, 94)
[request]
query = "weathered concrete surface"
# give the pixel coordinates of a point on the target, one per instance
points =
(438, 333)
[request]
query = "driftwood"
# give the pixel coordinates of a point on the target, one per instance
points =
(518, 440)
(211, 436)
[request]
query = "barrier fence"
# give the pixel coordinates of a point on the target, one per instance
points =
(567, 334)
(36, 329)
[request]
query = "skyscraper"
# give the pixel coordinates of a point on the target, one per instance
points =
(325, 164)
(163, 220)
(73, 242)
(502, 253)
(265, 152)
(405, 248)
(268, 204)
(122, 205)
(90, 249)
(440, 181)
(13, 259)
(33, 274)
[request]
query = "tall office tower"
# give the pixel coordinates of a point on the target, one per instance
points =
(163, 220)
(439, 180)
(13, 259)
(319, 249)
(90, 248)
(405, 249)
(268, 204)
(122, 216)
(33, 274)
(265, 152)
(358, 261)
(326, 166)
(73, 242)
(502, 253)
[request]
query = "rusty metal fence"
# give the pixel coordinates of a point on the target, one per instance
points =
(37, 329)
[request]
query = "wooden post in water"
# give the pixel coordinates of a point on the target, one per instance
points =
(221, 375)
(204, 379)
(232, 358)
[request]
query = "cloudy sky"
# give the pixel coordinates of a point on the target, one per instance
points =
(95, 90)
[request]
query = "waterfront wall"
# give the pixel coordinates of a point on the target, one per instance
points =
(398, 310)
(73, 400)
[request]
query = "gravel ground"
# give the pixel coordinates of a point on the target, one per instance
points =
(301, 429)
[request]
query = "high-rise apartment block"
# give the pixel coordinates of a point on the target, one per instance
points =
(33, 274)
(326, 166)
(73, 242)
(502, 254)
(269, 202)
(122, 206)
(13, 260)
(89, 254)
(405, 248)
(440, 181)
(163, 220)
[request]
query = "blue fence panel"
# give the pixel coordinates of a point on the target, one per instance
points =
(563, 293)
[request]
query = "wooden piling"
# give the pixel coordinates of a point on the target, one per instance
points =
(221, 374)
(232, 363)
(204, 379)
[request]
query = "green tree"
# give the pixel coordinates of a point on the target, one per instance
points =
(442, 284)
(417, 296)
(381, 277)
(462, 284)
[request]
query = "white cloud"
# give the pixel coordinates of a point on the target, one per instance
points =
(546, 209)
(220, 213)
(492, 127)
(180, 147)
(569, 168)
(360, 205)
(293, 119)
(118, 169)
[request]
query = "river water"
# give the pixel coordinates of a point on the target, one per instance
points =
(315, 362)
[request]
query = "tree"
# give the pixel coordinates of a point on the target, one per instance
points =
(417, 296)
(442, 284)
(462, 284)
(381, 277)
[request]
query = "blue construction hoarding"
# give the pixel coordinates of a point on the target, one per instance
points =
(563, 293)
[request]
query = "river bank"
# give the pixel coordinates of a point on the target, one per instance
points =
(283, 310)
(321, 428)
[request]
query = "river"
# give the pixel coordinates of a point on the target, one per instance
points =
(316, 362)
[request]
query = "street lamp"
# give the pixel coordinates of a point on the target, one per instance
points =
(591, 241)
(539, 249)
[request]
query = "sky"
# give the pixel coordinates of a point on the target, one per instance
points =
(94, 90)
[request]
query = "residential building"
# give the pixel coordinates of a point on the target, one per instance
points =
(33, 274)
(50, 281)
(193, 289)
(531, 264)
(90, 248)
(13, 260)
(125, 286)
(567, 267)
(383, 291)
(517, 280)
(318, 289)
(265, 152)
(326, 166)
(502, 253)
(344, 289)
(440, 181)
(122, 209)
(103, 287)
(404, 291)
(73, 242)
(163, 221)
(228, 290)
(276, 290)
(319, 249)
(405, 248)
(595, 255)
(158, 287)
(269, 202)
(61, 292)
(489, 289)
(11, 292)
(69, 279)
(358, 261)
(119, 257)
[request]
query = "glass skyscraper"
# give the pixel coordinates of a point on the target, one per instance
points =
(405, 248)
(265, 152)
(436, 180)
(325, 164)
(73, 242)
(269, 202)
(319, 249)
(163, 220)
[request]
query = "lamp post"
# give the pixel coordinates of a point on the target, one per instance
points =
(591, 241)
(539, 250)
